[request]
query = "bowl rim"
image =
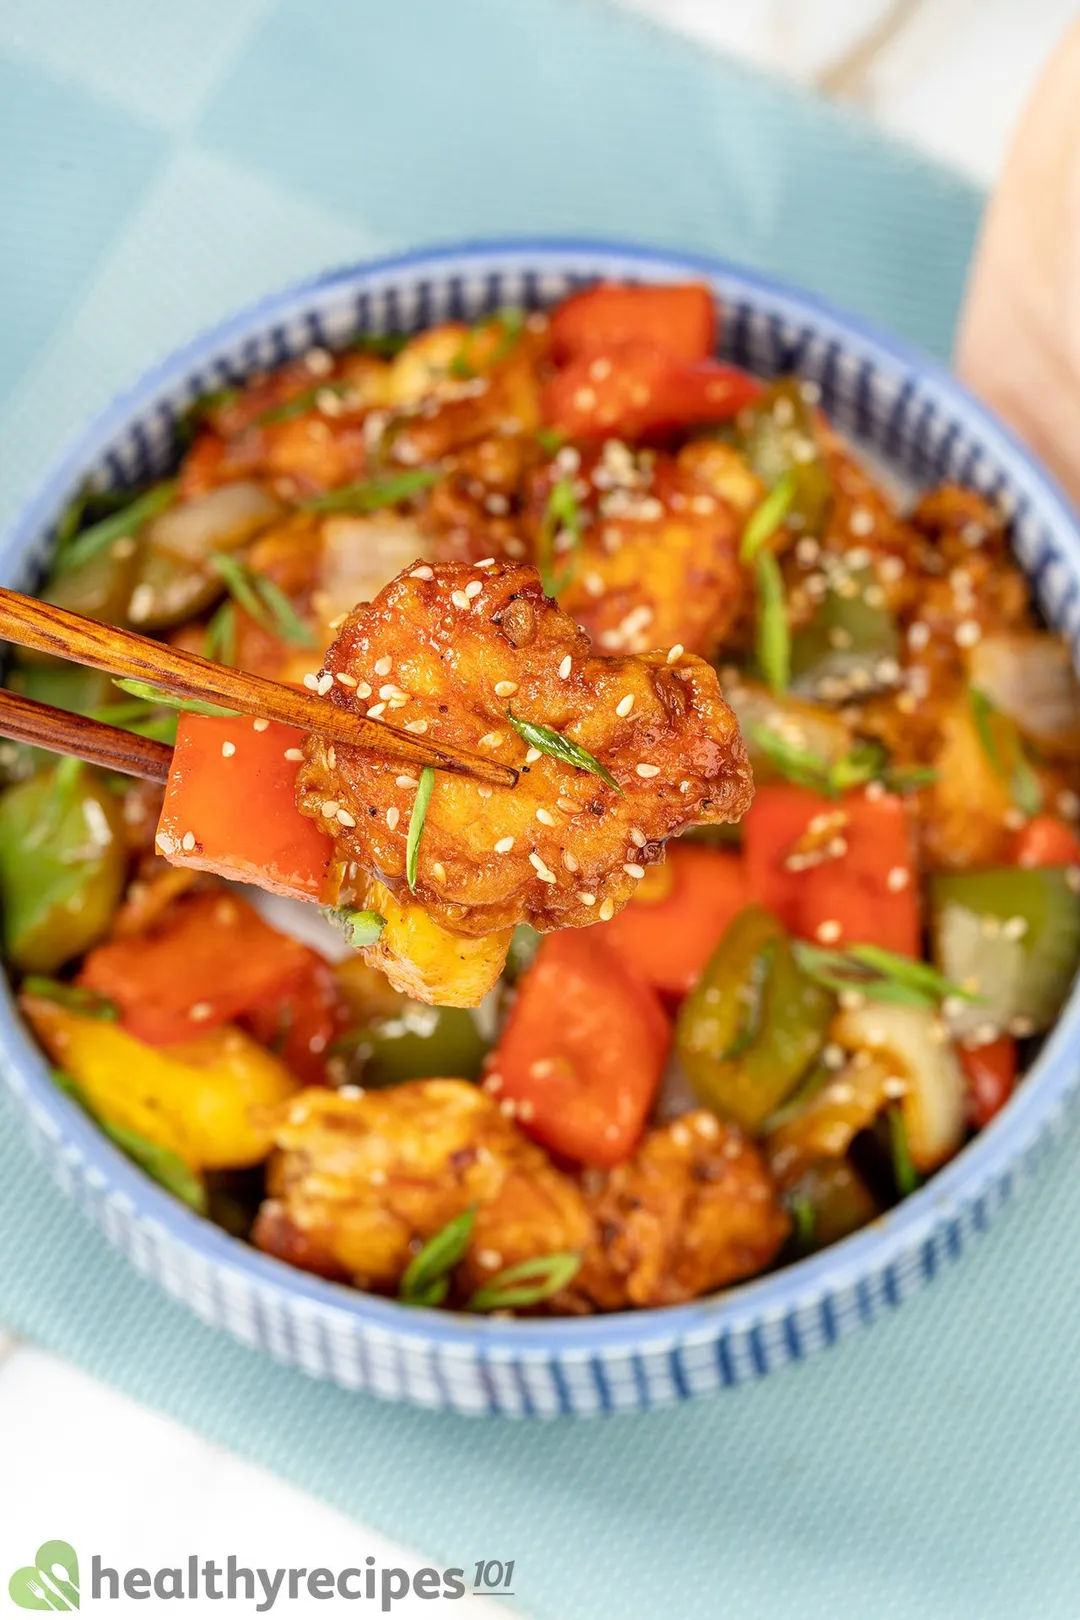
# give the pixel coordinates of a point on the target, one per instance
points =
(985, 1163)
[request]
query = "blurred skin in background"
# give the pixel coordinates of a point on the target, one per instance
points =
(1019, 344)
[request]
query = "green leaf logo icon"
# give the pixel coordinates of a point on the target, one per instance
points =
(52, 1582)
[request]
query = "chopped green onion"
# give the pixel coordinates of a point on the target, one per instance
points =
(71, 996)
(767, 517)
(359, 928)
(219, 641)
(144, 719)
(879, 974)
(560, 747)
(416, 823)
(550, 440)
(300, 403)
(561, 513)
(384, 345)
(260, 597)
(130, 518)
(427, 1276)
(511, 324)
(908, 778)
(1015, 772)
(803, 1219)
(773, 630)
(160, 1163)
(904, 1172)
(527, 1283)
(165, 700)
(374, 493)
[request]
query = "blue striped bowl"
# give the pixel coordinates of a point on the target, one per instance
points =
(902, 408)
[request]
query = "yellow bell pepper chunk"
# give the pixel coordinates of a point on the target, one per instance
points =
(203, 1100)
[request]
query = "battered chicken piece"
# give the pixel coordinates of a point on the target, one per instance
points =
(454, 652)
(361, 1180)
(654, 562)
(694, 1210)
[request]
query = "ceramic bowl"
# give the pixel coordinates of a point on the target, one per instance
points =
(909, 415)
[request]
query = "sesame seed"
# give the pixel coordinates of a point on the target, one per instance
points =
(311, 682)
(564, 667)
(393, 816)
(861, 520)
(894, 1088)
(376, 710)
(1021, 1027)
(363, 690)
(607, 910)
(490, 1259)
(505, 688)
(632, 869)
(828, 932)
(460, 600)
(638, 837)
(228, 749)
(346, 819)
(322, 686)
(899, 877)
(345, 680)
(647, 770)
(504, 846)
(833, 1056)
(483, 790)
(296, 754)
(1014, 928)
(188, 841)
(407, 782)
(569, 860)
(624, 705)
(486, 562)
(473, 588)
(201, 1011)
(438, 871)
(585, 399)
(541, 1068)
(968, 632)
(416, 725)
(543, 872)
(423, 573)
(586, 899)
(330, 808)
(675, 653)
(490, 739)
(545, 816)
(384, 666)
(983, 1034)
(532, 755)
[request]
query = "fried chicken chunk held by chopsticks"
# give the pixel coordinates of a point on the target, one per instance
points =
(615, 756)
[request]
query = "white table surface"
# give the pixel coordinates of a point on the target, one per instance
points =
(950, 76)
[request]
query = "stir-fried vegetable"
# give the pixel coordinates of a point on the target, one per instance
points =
(62, 865)
(921, 1073)
(779, 439)
(754, 1022)
(851, 646)
(680, 319)
(1011, 934)
(670, 929)
(418, 1042)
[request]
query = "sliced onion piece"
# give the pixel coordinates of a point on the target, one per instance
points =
(219, 521)
(1030, 678)
(912, 1044)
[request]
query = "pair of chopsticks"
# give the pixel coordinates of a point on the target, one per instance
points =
(49, 629)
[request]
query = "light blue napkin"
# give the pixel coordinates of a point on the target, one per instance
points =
(160, 164)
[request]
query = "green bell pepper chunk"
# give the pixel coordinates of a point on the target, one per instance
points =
(850, 647)
(62, 865)
(65, 686)
(421, 1043)
(1012, 934)
(777, 436)
(753, 1023)
(829, 1201)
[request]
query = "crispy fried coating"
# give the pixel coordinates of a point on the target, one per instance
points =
(654, 562)
(451, 652)
(694, 1210)
(361, 1180)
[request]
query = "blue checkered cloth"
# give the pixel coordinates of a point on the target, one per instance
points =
(160, 164)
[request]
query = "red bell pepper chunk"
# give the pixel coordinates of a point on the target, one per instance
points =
(680, 319)
(866, 895)
(582, 1051)
(668, 941)
(211, 958)
(300, 1020)
(636, 388)
(1046, 841)
(991, 1076)
(239, 808)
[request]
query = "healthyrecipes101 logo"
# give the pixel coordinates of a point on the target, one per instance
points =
(51, 1582)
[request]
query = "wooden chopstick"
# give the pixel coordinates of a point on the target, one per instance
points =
(50, 629)
(27, 721)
